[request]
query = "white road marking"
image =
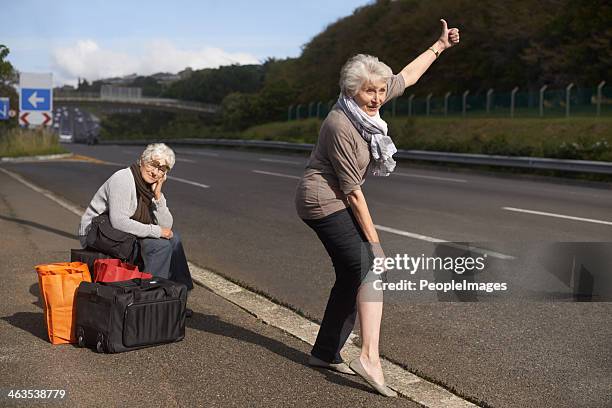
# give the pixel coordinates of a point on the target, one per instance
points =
(269, 173)
(193, 183)
(279, 161)
(185, 160)
(201, 153)
(567, 217)
(407, 234)
(70, 207)
(432, 177)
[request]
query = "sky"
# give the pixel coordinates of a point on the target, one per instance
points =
(95, 39)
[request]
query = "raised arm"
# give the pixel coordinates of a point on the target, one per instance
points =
(413, 71)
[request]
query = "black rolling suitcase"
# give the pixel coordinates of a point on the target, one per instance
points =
(115, 317)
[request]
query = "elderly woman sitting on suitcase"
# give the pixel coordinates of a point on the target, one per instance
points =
(133, 199)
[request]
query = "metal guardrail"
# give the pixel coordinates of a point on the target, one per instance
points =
(540, 163)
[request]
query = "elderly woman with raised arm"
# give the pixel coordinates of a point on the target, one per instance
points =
(329, 200)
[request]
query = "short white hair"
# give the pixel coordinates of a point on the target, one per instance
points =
(361, 69)
(158, 151)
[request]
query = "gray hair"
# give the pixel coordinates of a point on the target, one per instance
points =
(158, 151)
(361, 69)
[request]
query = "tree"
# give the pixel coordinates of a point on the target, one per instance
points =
(239, 111)
(8, 79)
(212, 85)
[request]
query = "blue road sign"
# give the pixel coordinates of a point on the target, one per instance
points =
(4, 108)
(33, 99)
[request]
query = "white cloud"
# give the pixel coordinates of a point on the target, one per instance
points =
(86, 59)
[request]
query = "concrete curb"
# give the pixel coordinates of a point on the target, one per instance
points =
(404, 382)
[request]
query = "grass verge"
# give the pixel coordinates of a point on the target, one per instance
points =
(573, 138)
(17, 142)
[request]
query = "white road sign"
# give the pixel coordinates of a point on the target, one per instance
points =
(35, 99)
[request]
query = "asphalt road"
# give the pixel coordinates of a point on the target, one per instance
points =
(235, 212)
(227, 359)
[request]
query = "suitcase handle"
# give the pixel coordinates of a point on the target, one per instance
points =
(169, 291)
(139, 283)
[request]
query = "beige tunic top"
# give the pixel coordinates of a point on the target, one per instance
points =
(338, 163)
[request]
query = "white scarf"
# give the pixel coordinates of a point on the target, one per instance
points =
(373, 129)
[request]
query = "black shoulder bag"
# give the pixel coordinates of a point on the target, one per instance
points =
(104, 238)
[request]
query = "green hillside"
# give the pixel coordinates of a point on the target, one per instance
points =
(525, 43)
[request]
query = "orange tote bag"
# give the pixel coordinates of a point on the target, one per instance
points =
(58, 283)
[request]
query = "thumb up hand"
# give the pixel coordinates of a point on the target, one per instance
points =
(448, 37)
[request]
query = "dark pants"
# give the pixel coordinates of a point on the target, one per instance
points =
(166, 258)
(352, 257)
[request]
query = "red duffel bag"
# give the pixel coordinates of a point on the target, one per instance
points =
(113, 270)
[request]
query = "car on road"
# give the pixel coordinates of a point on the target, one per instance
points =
(65, 137)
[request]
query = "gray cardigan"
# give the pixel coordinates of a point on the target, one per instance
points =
(117, 196)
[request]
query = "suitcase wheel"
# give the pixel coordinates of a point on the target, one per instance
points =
(100, 343)
(80, 337)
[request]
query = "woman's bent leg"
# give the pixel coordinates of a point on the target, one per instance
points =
(179, 269)
(337, 324)
(344, 244)
(156, 254)
(370, 315)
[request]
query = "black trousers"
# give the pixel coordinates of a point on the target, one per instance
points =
(352, 258)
